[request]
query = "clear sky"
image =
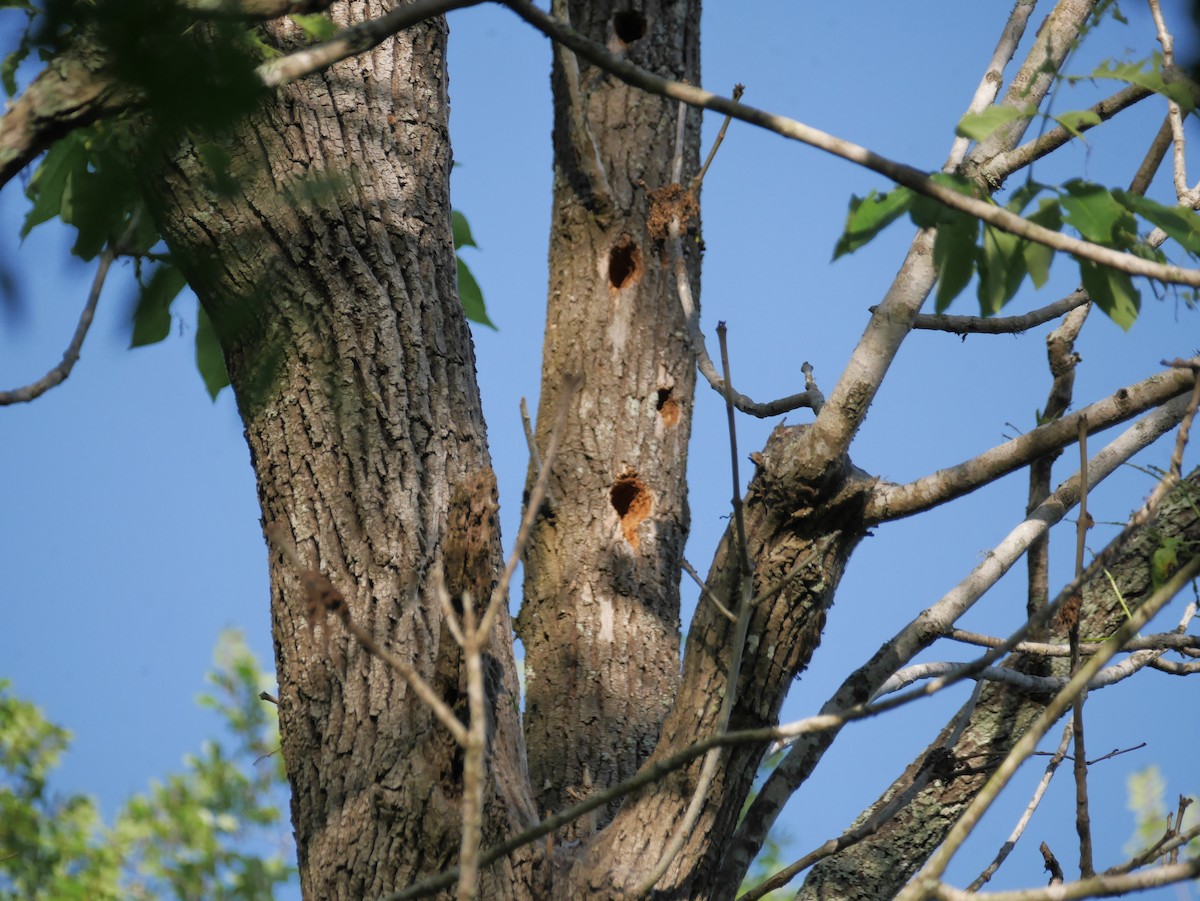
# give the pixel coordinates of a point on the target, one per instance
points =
(129, 524)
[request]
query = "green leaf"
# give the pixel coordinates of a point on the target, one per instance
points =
(472, 297)
(978, 126)
(49, 182)
(954, 256)
(1181, 223)
(462, 231)
(317, 26)
(209, 359)
(1112, 291)
(1076, 121)
(1038, 257)
(1023, 196)
(1146, 73)
(1001, 269)
(926, 212)
(1165, 560)
(1093, 211)
(869, 216)
(152, 316)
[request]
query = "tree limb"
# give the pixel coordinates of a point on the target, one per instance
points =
(892, 501)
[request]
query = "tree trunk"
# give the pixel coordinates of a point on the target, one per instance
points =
(800, 537)
(329, 274)
(600, 618)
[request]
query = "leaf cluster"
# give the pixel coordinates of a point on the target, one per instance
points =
(966, 249)
(190, 836)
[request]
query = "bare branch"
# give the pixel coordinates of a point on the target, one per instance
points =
(999, 325)
(353, 40)
(532, 508)
(871, 824)
(59, 373)
(993, 76)
(738, 90)
(741, 624)
(1095, 887)
(1174, 115)
(1015, 836)
(896, 501)
(706, 592)
(1165, 641)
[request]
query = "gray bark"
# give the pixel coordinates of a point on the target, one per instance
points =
(600, 617)
(330, 277)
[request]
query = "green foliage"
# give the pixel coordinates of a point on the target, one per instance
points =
(1147, 799)
(1146, 73)
(869, 216)
(469, 292)
(188, 837)
(978, 126)
(317, 26)
(1001, 261)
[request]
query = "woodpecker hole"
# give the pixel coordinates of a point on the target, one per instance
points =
(629, 25)
(667, 406)
(631, 499)
(624, 263)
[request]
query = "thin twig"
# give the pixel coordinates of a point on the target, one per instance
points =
(1015, 836)
(1170, 841)
(323, 598)
(1173, 112)
(532, 508)
(59, 373)
(474, 764)
(993, 76)
(705, 592)
(876, 820)
(534, 457)
(738, 90)
(1096, 886)
(1164, 641)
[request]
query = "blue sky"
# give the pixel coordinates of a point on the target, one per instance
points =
(129, 528)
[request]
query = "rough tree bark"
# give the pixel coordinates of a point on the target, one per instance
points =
(330, 276)
(600, 616)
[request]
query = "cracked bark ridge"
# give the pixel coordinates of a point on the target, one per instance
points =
(330, 278)
(600, 617)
